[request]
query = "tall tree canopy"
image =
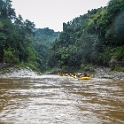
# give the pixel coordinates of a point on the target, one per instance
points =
(95, 37)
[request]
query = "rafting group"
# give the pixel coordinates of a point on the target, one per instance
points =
(79, 76)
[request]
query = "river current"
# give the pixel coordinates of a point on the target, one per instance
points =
(53, 99)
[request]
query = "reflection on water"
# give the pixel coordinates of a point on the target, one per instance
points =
(61, 100)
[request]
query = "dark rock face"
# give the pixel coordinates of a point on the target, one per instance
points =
(4, 65)
(104, 72)
(90, 69)
(55, 71)
(114, 62)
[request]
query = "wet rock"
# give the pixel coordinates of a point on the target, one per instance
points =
(54, 71)
(104, 72)
(4, 65)
(21, 72)
(89, 69)
(114, 62)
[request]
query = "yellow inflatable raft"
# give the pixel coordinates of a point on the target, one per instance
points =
(84, 78)
(73, 76)
(63, 74)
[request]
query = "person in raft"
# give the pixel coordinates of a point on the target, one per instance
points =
(81, 75)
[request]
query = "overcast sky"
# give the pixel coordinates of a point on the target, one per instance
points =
(52, 13)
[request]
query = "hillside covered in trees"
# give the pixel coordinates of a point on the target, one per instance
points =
(20, 42)
(41, 43)
(96, 37)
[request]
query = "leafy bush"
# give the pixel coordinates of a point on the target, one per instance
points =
(118, 68)
(9, 56)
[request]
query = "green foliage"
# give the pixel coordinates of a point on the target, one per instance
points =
(6, 71)
(118, 68)
(33, 66)
(1, 24)
(94, 38)
(9, 56)
(41, 43)
(15, 42)
(118, 53)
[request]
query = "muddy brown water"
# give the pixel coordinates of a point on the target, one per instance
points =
(51, 99)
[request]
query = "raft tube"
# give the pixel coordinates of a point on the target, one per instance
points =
(63, 74)
(84, 78)
(73, 76)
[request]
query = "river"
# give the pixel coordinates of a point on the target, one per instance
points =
(53, 99)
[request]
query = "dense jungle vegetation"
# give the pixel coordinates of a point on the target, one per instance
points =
(96, 37)
(20, 42)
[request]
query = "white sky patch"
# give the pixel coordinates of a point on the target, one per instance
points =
(52, 13)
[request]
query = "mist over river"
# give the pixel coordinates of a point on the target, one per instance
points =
(53, 99)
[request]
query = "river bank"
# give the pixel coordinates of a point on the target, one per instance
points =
(17, 72)
(99, 72)
(105, 72)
